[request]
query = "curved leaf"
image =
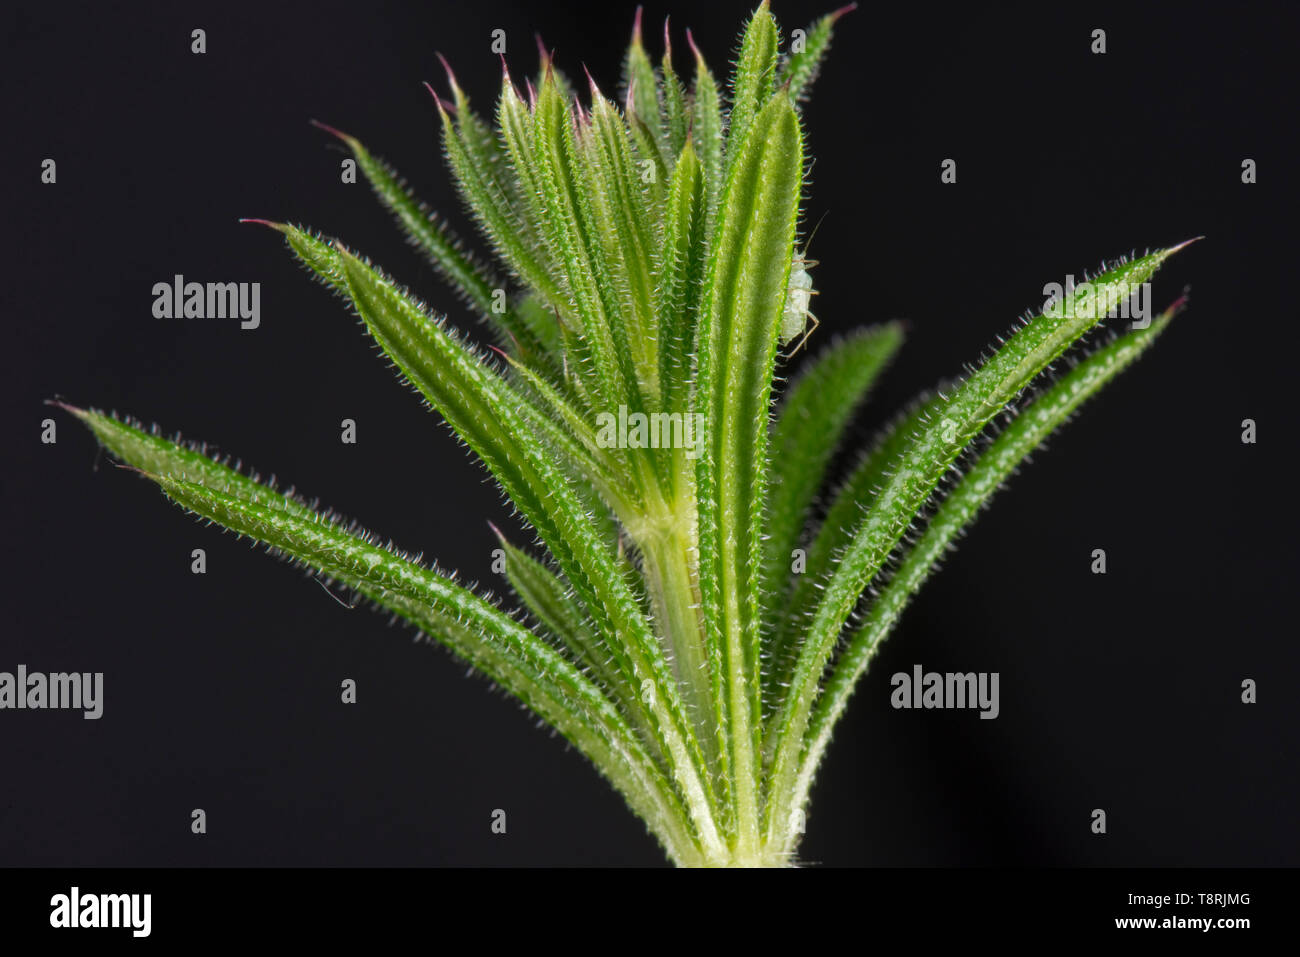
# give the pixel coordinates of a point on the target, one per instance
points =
(809, 425)
(957, 511)
(961, 417)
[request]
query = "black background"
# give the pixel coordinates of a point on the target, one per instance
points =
(222, 691)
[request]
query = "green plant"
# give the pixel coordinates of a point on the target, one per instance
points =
(656, 274)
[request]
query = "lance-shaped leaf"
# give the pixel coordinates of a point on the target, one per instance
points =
(598, 482)
(546, 147)
(957, 511)
(681, 278)
(737, 340)
(624, 225)
(706, 126)
(571, 433)
(536, 313)
(800, 68)
(849, 504)
(546, 67)
(648, 152)
(500, 220)
(961, 417)
(675, 106)
(149, 452)
(809, 425)
(558, 608)
(445, 251)
(580, 371)
(515, 123)
(752, 84)
(641, 90)
(483, 146)
(485, 412)
(466, 624)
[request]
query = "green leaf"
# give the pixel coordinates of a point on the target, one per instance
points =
(800, 68)
(150, 453)
(515, 120)
(706, 126)
(647, 148)
(630, 249)
(567, 428)
(547, 67)
(564, 195)
(809, 425)
(681, 278)
(484, 148)
(444, 250)
(851, 501)
(500, 221)
(739, 326)
(470, 627)
(641, 88)
(961, 418)
(540, 318)
(752, 84)
(958, 510)
(674, 95)
(555, 604)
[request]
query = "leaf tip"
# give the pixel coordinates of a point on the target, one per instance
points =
(444, 108)
(65, 406)
(278, 226)
(505, 73)
(85, 415)
(848, 8)
(1183, 245)
(700, 64)
(451, 76)
(636, 26)
(1178, 305)
(128, 467)
(1159, 257)
(349, 140)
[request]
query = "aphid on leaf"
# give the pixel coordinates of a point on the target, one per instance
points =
(798, 299)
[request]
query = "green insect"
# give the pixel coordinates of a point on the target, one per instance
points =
(797, 300)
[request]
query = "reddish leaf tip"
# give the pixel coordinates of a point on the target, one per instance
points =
(1179, 304)
(332, 131)
(269, 224)
(66, 407)
(1184, 244)
(451, 77)
(690, 40)
(443, 107)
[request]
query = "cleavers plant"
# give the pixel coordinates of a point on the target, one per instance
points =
(704, 607)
